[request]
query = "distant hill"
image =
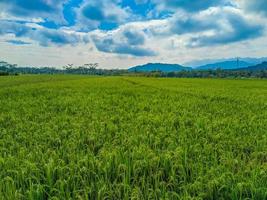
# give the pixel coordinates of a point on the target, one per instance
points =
(159, 67)
(262, 66)
(224, 65)
(196, 63)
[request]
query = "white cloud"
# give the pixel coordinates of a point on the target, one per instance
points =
(91, 14)
(34, 9)
(212, 29)
(254, 6)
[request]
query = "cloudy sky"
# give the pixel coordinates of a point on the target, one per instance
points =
(122, 33)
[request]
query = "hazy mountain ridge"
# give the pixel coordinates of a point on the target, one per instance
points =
(261, 66)
(242, 64)
(202, 62)
(225, 65)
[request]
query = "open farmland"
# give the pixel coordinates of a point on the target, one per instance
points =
(80, 137)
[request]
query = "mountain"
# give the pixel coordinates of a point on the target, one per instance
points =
(158, 67)
(225, 65)
(202, 62)
(254, 61)
(196, 63)
(262, 66)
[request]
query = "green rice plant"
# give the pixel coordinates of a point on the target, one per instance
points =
(82, 137)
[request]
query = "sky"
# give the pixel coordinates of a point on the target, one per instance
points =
(124, 33)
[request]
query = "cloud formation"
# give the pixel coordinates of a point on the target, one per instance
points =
(47, 9)
(17, 42)
(215, 26)
(140, 28)
(105, 13)
(189, 5)
(44, 36)
(258, 6)
(124, 41)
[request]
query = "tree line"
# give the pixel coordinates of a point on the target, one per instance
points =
(92, 69)
(87, 69)
(219, 73)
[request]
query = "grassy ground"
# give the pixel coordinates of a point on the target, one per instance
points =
(79, 137)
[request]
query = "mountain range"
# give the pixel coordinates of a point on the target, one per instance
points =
(261, 66)
(197, 63)
(225, 65)
(232, 64)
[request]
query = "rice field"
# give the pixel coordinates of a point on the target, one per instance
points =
(81, 137)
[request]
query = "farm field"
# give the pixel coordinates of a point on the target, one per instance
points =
(81, 137)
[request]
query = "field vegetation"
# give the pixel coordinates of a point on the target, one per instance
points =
(82, 137)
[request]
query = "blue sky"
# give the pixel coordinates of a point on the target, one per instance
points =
(122, 33)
